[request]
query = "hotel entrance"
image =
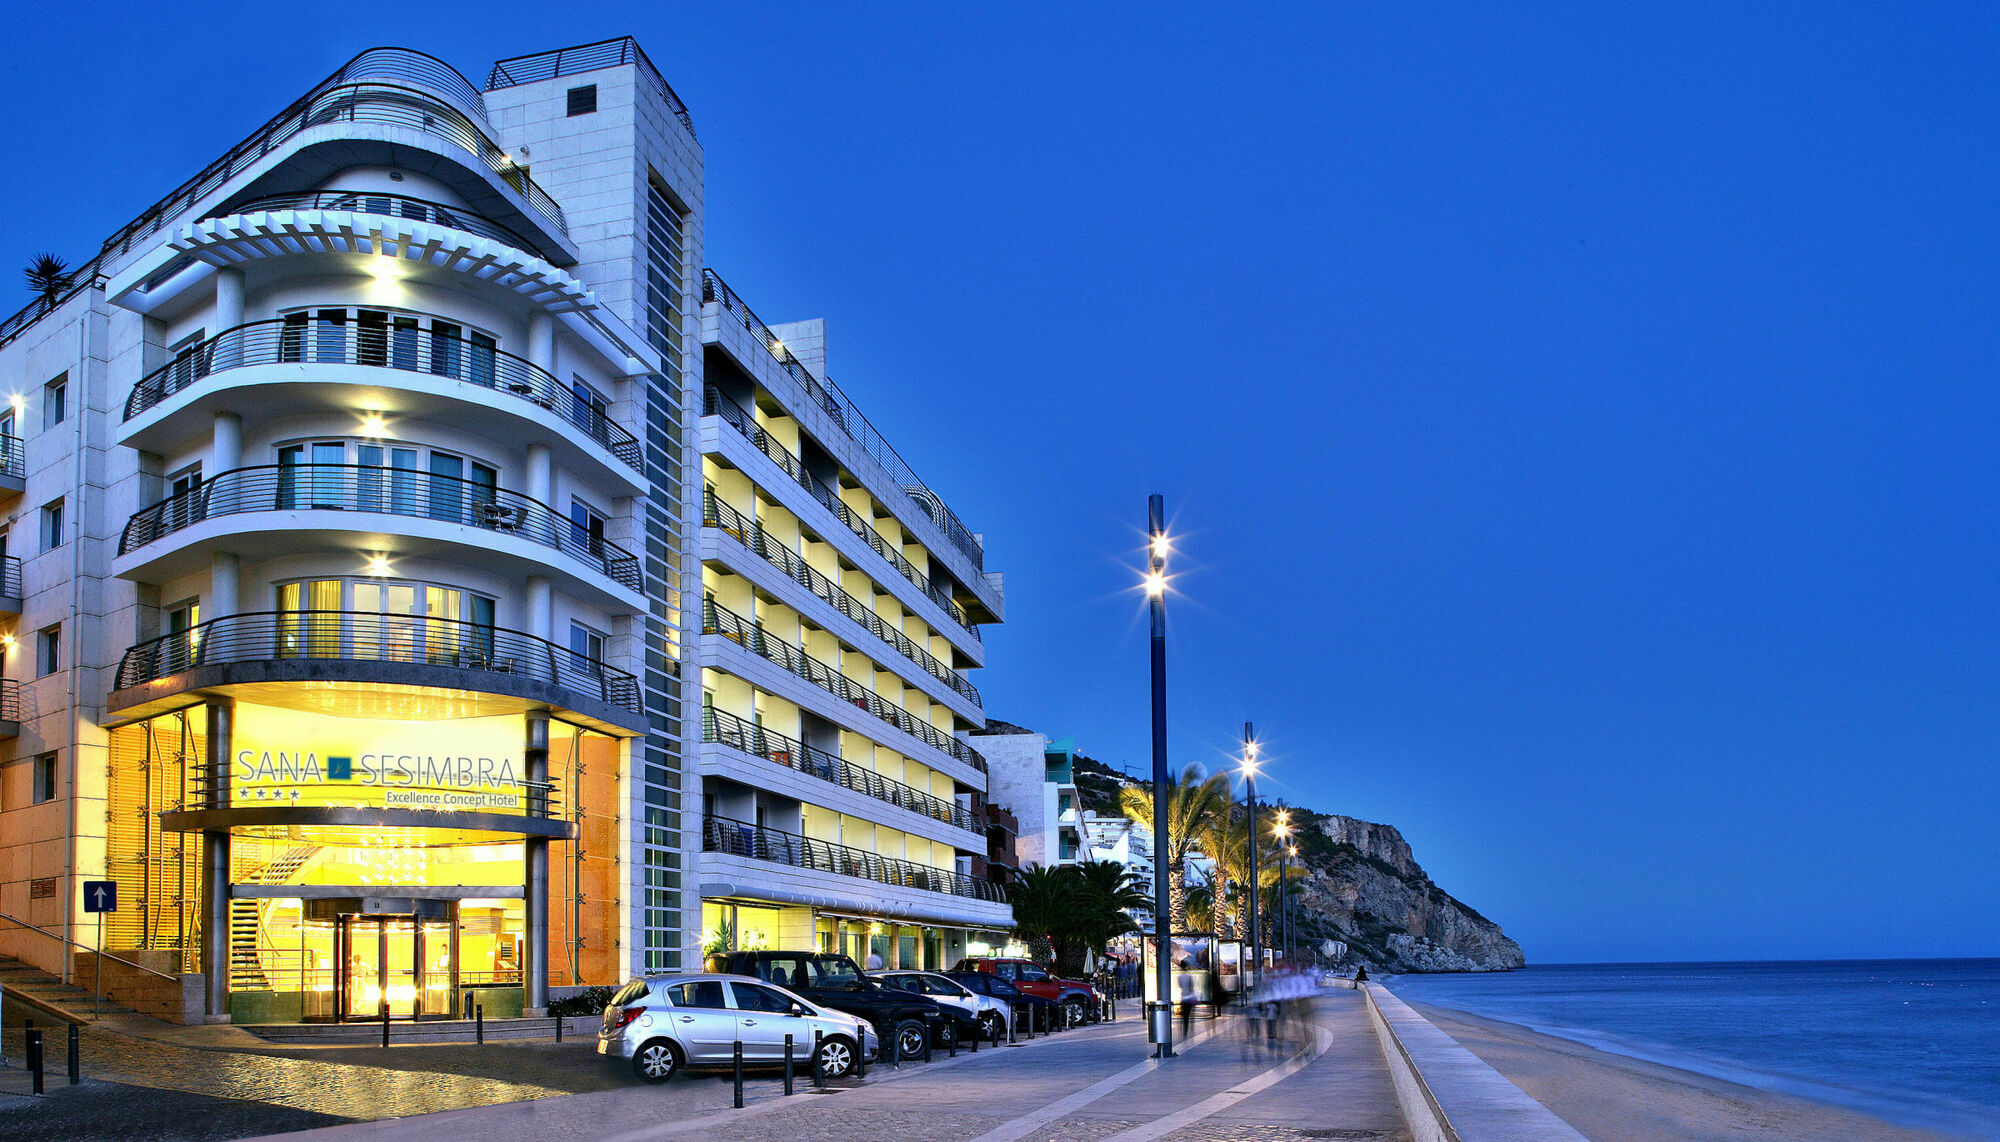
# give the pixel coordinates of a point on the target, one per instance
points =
(407, 961)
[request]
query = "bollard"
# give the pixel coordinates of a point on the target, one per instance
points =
(930, 1037)
(35, 1058)
(479, 1023)
(559, 1028)
(1013, 1022)
(75, 1058)
(1030, 1036)
(996, 1027)
(861, 1060)
(788, 1065)
(951, 1044)
(819, 1070)
(737, 1067)
(385, 1023)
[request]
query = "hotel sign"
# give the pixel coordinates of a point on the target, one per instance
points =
(284, 757)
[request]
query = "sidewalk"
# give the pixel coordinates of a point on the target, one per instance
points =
(1096, 1084)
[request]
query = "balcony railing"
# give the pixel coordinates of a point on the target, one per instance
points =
(390, 491)
(10, 576)
(740, 838)
(10, 700)
(582, 58)
(367, 636)
(719, 727)
(720, 620)
(734, 415)
(828, 396)
(337, 101)
(750, 533)
(13, 457)
(302, 340)
(389, 205)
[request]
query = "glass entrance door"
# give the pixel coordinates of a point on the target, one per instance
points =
(410, 965)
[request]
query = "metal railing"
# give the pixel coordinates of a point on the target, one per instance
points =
(847, 415)
(734, 415)
(586, 57)
(69, 943)
(10, 700)
(719, 727)
(367, 636)
(740, 838)
(10, 576)
(306, 339)
(720, 620)
(390, 491)
(389, 205)
(13, 457)
(751, 534)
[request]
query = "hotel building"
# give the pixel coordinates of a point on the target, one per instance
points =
(421, 581)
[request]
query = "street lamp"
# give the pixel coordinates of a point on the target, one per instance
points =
(1250, 795)
(1281, 831)
(1291, 911)
(1156, 593)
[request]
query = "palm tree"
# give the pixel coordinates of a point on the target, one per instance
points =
(1228, 845)
(1047, 905)
(1113, 890)
(1192, 803)
(48, 276)
(1201, 907)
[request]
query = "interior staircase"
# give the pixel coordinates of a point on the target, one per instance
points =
(246, 967)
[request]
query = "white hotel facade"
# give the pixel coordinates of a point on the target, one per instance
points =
(422, 579)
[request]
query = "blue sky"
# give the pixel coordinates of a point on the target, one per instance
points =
(1579, 426)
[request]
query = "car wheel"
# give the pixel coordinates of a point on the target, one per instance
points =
(836, 1057)
(1074, 1010)
(993, 1024)
(910, 1039)
(656, 1060)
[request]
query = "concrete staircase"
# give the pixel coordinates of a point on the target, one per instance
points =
(48, 992)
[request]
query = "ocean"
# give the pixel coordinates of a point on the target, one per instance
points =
(1912, 1041)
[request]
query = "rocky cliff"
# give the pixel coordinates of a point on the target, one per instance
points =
(1364, 891)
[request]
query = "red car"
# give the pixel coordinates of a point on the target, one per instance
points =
(1080, 1001)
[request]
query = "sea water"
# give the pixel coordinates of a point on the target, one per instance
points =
(1914, 1041)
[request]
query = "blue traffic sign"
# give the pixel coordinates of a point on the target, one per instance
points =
(100, 896)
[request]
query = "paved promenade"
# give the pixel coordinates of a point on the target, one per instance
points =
(1091, 1085)
(1094, 1084)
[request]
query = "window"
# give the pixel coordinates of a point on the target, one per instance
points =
(45, 778)
(387, 620)
(52, 526)
(184, 501)
(48, 651)
(587, 645)
(190, 361)
(701, 993)
(55, 401)
(8, 426)
(586, 528)
(183, 640)
(588, 411)
(583, 100)
(755, 997)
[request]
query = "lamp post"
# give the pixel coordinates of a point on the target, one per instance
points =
(1156, 592)
(1250, 795)
(1281, 832)
(1291, 910)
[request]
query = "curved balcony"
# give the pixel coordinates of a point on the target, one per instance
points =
(383, 491)
(373, 650)
(720, 620)
(740, 838)
(388, 205)
(386, 104)
(294, 341)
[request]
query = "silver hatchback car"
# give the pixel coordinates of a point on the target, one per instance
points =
(663, 1023)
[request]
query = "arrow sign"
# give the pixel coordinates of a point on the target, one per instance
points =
(100, 896)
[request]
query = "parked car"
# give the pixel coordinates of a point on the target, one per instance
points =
(1080, 1001)
(665, 1023)
(832, 980)
(991, 1011)
(1039, 1013)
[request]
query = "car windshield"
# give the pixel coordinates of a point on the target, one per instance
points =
(1032, 971)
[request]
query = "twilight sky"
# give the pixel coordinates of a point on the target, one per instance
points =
(1579, 427)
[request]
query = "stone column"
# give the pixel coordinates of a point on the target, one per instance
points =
(541, 608)
(215, 872)
(223, 598)
(540, 483)
(228, 315)
(535, 964)
(542, 341)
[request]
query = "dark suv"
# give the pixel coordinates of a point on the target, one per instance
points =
(832, 979)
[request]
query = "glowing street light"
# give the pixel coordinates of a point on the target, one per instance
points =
(1249, 768)
(1156, 591)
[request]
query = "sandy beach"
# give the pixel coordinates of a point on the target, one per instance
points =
(1612, 1098)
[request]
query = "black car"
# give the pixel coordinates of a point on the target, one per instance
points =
(1040, 1013)
(834, 980)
